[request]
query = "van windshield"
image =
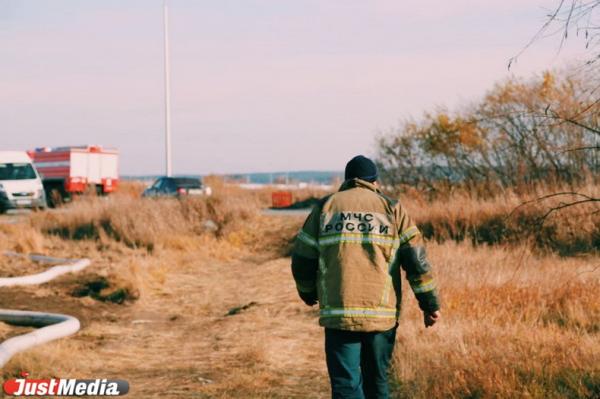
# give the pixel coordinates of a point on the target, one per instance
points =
(17, 171)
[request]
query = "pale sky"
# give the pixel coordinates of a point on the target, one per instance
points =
(257, 85)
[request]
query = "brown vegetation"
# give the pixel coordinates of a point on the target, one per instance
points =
(510, 218)
(147, 223)
(516, 325)
(522, 132)
(213, 312)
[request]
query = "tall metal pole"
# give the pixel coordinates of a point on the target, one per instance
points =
(169, 170)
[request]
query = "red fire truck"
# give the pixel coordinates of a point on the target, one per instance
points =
(70, 170)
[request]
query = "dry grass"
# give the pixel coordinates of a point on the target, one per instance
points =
(178, 335)
(504, 219)
(146, 223)
(21, 238)
(517, 323)
(262, 196)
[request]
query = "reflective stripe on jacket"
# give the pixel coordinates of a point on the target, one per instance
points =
(347, 254)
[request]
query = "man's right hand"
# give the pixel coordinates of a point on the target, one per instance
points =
(431, 318)
(309, 298)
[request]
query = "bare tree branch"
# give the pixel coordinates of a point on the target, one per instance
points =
(570, 17)
(580, 149)
(538, 34)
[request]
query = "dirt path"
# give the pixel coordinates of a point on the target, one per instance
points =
(178, 341)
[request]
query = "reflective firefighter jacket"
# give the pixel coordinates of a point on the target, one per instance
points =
(348, 255)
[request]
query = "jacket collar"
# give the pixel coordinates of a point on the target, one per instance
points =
(356, 182)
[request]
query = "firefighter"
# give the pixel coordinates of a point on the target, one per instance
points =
(347, 258)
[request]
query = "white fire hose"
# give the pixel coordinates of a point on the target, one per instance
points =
(51, 326)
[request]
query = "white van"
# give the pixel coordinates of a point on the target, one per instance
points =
(20, 183)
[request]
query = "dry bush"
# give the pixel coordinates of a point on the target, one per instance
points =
(501, 220)
(146, 223)
(522, 131)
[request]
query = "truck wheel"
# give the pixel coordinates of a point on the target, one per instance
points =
(55, 198)
(99, 190)
(40, 208)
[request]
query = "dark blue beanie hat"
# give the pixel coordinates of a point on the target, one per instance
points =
(362, 168)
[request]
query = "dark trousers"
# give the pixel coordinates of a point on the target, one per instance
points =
(358, 363)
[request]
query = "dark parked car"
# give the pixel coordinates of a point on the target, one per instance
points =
(176, 187)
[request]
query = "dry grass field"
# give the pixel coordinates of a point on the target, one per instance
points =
(184, 308)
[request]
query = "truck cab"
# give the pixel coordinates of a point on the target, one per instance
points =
(20, 183)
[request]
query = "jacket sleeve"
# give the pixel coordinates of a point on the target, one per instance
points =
(305, 258)
(413, 258)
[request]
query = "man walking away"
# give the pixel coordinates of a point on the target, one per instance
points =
(347, 257)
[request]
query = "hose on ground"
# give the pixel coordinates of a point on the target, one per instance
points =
(51, 326)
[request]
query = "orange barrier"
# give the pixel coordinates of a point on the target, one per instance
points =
(281, 199)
